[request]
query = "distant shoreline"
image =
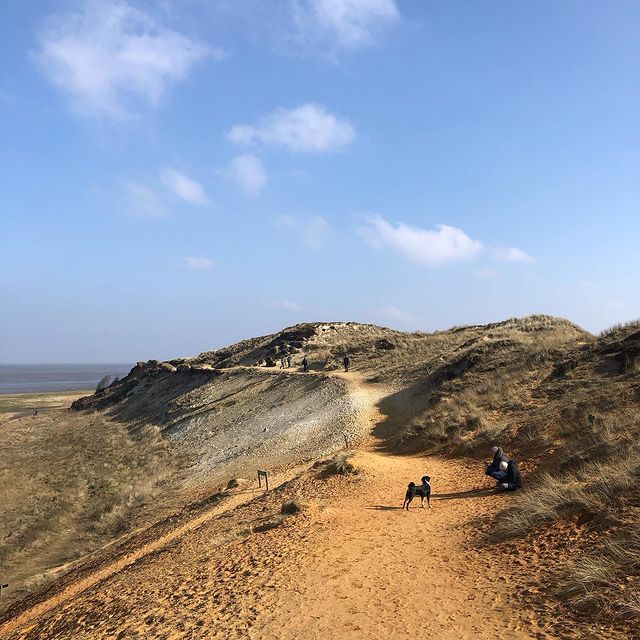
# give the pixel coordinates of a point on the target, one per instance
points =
(56, 378)
(27, 402)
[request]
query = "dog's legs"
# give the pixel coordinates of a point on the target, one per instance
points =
(422, 502)
(429, 501)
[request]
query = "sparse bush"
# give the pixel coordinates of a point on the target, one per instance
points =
(616, 328)
(290, 508)
(341, 465)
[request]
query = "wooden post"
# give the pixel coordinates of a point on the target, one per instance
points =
(265, 475)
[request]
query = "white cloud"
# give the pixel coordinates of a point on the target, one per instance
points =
(313, 230)
(184, 187)
(446, 244)
(109, 53)
(198, 263)
(348, 24)
(513, 254)
(249, 172)
(143, 202)
(309, 128)
(286, 304)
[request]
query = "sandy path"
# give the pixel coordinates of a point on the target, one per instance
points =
(367, 569)
(352, 565)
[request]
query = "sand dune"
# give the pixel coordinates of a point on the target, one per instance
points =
(351, 563)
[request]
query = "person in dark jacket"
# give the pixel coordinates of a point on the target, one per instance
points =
(346, 362)
(305, 364)
(497, 469)
(513, 479)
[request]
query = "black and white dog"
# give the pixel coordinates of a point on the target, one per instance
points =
(423, 490)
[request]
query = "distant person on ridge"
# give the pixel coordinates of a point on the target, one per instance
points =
(305, 364)
(282, 362)
(497, 469)
(288, 362)
(346, 362)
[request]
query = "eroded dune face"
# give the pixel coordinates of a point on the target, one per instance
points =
(228, 421)
(243, 419)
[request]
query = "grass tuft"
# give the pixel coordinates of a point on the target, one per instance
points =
(341, 465)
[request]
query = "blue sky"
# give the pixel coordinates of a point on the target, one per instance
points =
(181, 175)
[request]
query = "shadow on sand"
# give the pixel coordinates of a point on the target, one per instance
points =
(384, 507)
(464, 495)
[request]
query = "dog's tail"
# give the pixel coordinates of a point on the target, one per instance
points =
(412, 485)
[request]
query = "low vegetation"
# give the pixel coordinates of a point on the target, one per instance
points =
(290, 508)
(618, 328)
(595, 483)
(605, 584)
(68, 487)
(341, 465)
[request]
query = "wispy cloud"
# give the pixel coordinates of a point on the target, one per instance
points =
(108, 54)
(184, 187)
(513, 254)
(142, 201)
(342, 24)
(312, 230)
(249, 173)
(198, 263)
(424, 246)
(285, 304)
(309, 128)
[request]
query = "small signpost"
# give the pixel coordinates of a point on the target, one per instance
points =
(265, 475)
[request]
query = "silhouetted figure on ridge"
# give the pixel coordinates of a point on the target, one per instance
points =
(305, 364)
(346, 362)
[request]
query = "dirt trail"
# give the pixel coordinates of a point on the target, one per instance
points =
(367, 569)
(353, 564)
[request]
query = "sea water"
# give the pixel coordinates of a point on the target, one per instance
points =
(33, 378)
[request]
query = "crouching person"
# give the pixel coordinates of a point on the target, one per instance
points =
(513, 479)
(497, 469)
